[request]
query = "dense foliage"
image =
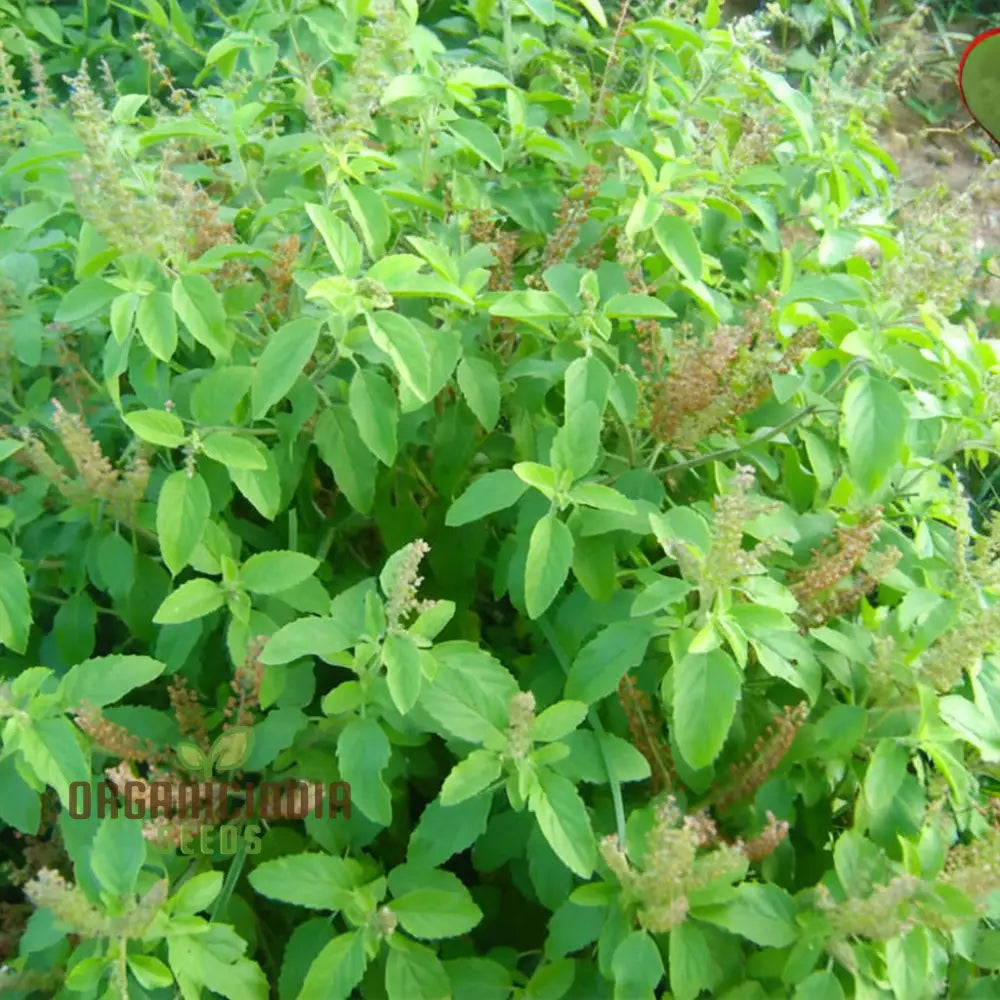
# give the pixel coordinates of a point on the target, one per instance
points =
(549, 420)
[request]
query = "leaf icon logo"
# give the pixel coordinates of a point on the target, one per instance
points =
(228, 752)
(192, 758)
(232, 748)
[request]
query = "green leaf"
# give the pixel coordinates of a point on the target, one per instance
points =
(322, 637)
(539, 476)
(262, 487)
(85, 300)
(494, 491)
(190, 600)
(478, 979)
(873, 430)
(479, 138)
(531, 306)
(275, 571)
(470, 693)
(558, 720)
(587, 380)
(376, 412)
(438, 258)
(908, 962)
(369, 212)
(86, 975)
(412, 970)
(52, 751)
(477, 379)
(339, 239)
(196, 894)
(105, 680)
(595, 10)
(21, 806)
(637, 967)
(341, 448)
(337, 969)
(212, 957)
(796, 102)
(182, 511)
(577, 442)
(678, 241)
(886, 771)
(284, 356)
(550, 555)
(443, 830)
(660, 594)
(563, 820)
(601, 497)
(820, 986)
(629, 306)
(470, 776)
(761, 912)
(234, 451)
(157, 427)
(15, 606)
(401, 657)
(692, 968)
(201, 310)
(150, 972)
(118, 853)
(157, 324)
(363, 752)
(317, 881)
(706, 689)
(601, 664)
(973, 724)
(431, 914)
(545, 11)
(400, 339)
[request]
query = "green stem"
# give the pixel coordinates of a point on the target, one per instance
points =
(595, 722)
(726, 453)
(232, 876)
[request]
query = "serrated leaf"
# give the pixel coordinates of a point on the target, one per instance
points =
(190, 600)
(234, 451)
(431, 914)
(284, 356)
(403, 670)
(375, 410)
(157, 427)
(363, 752)
(480, 138)
(470, 776)
(275, 571)
(317, 881)
(15, 606)
(550, 555)
(564, 822)
(706, 690)
(201, 310)
(490, 493)
(874, 428)
(477, 379)
(182, 511)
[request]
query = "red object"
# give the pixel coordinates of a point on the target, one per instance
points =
(972, 87)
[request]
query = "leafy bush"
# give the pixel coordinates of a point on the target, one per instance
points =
(547, 423)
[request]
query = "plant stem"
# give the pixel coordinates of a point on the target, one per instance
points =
(595, 722)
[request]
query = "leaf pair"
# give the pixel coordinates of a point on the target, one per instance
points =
(227, 753)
